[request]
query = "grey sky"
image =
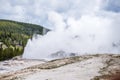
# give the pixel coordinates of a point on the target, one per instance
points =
(37, 11)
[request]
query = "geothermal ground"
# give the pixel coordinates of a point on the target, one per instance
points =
(86, 67)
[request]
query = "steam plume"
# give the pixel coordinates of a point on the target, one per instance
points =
(94, 29)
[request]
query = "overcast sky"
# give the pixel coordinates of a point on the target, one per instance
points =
(37, 11)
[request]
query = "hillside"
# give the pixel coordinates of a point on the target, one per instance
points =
(14, 36)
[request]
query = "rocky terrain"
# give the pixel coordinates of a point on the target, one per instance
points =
(85, 67)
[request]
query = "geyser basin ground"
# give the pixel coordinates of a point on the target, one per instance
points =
(86, 67)
(17, 63)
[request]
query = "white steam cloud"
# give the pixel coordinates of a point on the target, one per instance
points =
(86, 27)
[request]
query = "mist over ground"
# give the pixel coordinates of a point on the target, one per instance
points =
(80, 27)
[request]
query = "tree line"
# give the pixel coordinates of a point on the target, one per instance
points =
(14, 36)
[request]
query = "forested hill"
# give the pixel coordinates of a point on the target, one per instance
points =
(14, 36)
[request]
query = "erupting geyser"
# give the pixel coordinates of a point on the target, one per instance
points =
(80, 27)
